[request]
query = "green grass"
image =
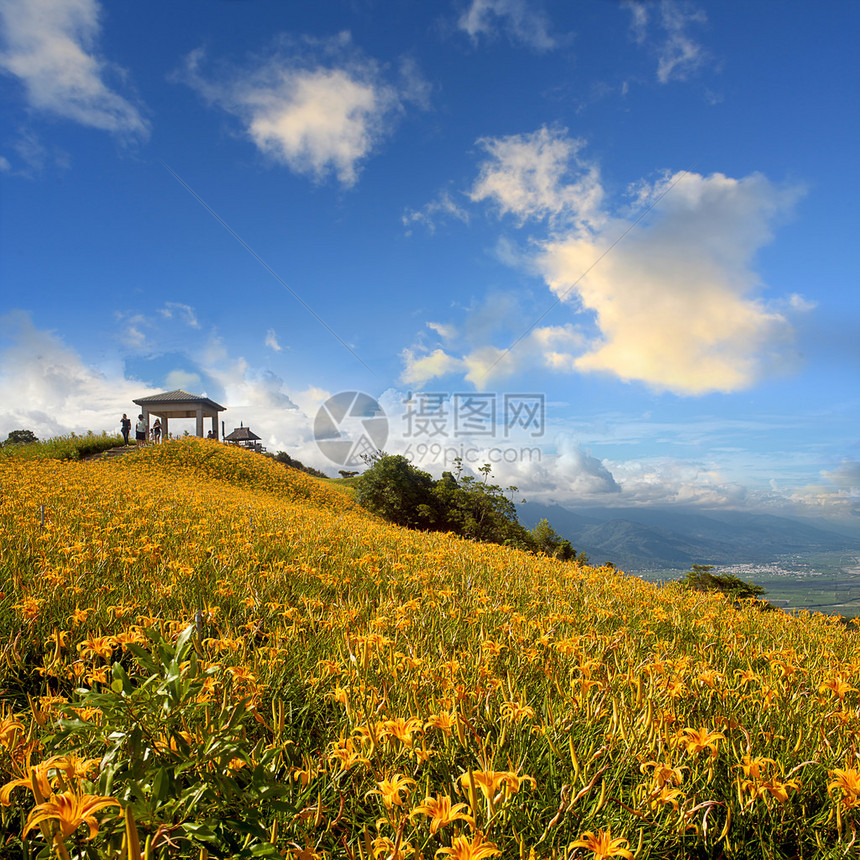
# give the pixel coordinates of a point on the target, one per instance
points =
(71, 447)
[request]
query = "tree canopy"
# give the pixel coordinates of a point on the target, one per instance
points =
(474, 508)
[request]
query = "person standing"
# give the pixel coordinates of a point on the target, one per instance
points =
(125, 424)
(140, 431)
(156, 431)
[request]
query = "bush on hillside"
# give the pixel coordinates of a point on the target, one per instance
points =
(476, 509)
(700, 578)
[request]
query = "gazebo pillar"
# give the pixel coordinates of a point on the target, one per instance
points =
(164, 433)
(200, 421)
(215, 426)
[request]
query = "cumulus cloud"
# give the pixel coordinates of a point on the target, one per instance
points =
(663, 287)
(676, 302)
(838, 493)
(523, 22)
(46, 387)
(549, 347)
(567, 474)
(531, 176)
(318, 111)
(51, 46)
(678, 53)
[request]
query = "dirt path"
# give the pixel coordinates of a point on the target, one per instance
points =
(110, 454)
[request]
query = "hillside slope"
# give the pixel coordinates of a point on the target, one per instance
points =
(254, 667)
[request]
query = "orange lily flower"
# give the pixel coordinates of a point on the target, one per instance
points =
(603, 844)
(389, 790)
(697, 740)
(70, 810)
(848, 783)
(462, 849)
(441, 812)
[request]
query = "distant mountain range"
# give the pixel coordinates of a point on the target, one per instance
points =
(666, 538)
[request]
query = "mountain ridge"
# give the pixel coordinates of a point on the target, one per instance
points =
(649, 538)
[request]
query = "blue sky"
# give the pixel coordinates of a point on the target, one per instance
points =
(642, 214)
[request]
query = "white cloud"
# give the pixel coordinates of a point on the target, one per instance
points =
(664, 294)
(191, 382)
(568, 474)
(316, 115)
(420, 369)
(521, 20)
(446, 332)
(678, 53)
(548, 347)
(272, 340)
(676, 301)
(47, 388)
(527, 175)
(51, 47)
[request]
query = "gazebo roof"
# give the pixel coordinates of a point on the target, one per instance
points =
(242, 434)
(178, 397)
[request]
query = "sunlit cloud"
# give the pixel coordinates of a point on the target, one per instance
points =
(538, 175)
(521, 20)
(319, 112)
(51, 47)
(662, 285)
(677, 301)
(46, 387)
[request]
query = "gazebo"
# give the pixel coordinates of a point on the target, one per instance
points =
(180, 404)
(244, 437)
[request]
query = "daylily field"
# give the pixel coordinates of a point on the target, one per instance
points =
(206, 654)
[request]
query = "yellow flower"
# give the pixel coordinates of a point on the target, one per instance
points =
(344, 751)
(754, 768)
(10, 728)
(515, 712)
(778, 789)
(402, 729)
(603, 845)
(663, 773)
(665, 795)
(490, 781)
(838, 686)
(70, 810)
(441, 812)
(444, 722)
(389, 790)
(697, 740)
(462, 849)
(848, 783)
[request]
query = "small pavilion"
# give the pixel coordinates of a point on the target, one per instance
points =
(180, 404)
(244, 437)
